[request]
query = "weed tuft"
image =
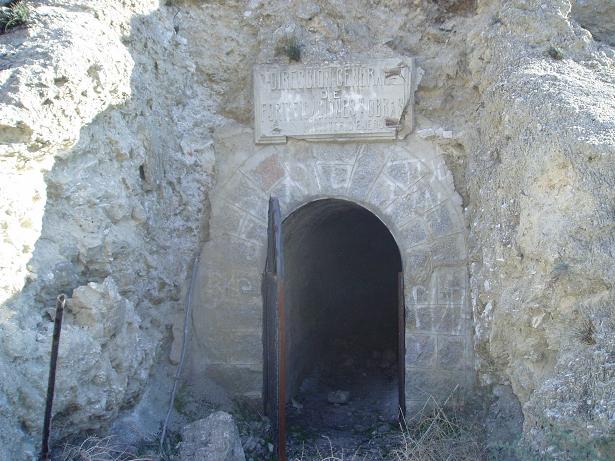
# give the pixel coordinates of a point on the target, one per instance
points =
(585, 332)
(435, 434)
(16, 14)
(289, 47)
(555, 53)
(98, 449)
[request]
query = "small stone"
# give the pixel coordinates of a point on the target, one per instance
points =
(338, 397)
(298, 406)
(139, 214)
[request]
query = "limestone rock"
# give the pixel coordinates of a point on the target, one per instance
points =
(104, 356)
(82, 198)
(504, 424)
(107, 163)
(597, 16)
(214, 438)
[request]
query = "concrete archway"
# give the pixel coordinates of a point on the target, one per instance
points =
(405, 184)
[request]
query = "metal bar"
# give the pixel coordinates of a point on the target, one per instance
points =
(282, 375)
(281, 326)
(401, 344)
(51, 382)
(274, 331)
(182, 355)
(270, 368)
(266, 347)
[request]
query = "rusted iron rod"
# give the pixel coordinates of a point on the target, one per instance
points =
(282, 380)
(182, 355)
(51, 383)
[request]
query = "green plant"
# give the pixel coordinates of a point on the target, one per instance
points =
(16, 14)
(290, 47)
(555, 53)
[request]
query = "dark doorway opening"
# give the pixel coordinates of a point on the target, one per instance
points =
(341, 293)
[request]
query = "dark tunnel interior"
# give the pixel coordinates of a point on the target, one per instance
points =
(342, 267)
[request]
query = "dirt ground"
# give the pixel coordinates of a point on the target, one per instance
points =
(366, 426)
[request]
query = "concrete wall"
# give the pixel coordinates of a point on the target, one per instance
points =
(405, 184)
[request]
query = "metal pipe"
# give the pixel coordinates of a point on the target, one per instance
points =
(51, 383)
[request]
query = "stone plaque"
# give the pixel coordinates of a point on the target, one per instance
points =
(336, 101)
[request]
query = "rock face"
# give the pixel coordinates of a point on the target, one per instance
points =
(539, 207)
(214, 438)
(103, 172)
(598, 17)
(107, 161)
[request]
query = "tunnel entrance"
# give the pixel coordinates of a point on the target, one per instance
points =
(342, 267)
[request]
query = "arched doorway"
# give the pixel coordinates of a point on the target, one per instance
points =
(406, 184)
(341, 279)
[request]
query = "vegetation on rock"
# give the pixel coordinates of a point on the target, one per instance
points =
(15, 14)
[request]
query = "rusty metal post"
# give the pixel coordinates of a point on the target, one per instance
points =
(51, 383)
(282, 378)
(401, 346)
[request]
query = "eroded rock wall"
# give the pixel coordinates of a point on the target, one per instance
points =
(540, 209)
(105, 172)
(105, 141)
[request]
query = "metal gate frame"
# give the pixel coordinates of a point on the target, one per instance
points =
(274, 331)
(274, 334)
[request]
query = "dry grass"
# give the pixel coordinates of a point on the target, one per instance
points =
(332, 455)
(435, 435)
(432, 434)
(586, 331)
(290, 47)
(99, 449)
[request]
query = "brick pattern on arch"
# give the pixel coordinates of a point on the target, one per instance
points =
(407, 185)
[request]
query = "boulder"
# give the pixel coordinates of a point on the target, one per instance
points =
(214, 438)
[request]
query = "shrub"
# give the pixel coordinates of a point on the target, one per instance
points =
(15, 14)
(290, 47)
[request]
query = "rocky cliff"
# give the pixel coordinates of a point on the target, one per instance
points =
(106, 117)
